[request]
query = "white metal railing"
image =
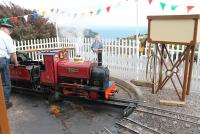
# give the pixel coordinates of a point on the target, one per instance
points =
(121, 56)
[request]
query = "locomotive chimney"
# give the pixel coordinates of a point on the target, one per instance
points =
(99, 57)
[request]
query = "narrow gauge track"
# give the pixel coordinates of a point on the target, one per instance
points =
(127, 104)
(136, 127)
(168, 114)
(130, 106)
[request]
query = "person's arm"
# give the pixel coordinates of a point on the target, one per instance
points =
(12, 51)
(93, 47)
(13, 58)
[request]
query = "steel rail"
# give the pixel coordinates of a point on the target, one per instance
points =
(130, 129)
(125, 89)
(194, 119)
(166, 116)
(140, 124)
(107, 130)
(156, 108)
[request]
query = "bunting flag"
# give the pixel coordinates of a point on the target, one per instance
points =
(108, 8)
(35, 14)
(150, 1)
(189, 8)
(26, 17)
(173, 7)
(57, 11)
(43, 13)
(52, 9)
(162, 4)
(75, 14)
(4, 20)
(62, 12)
(15, 19)
(84, 14)
(91, 12)
(98, 11)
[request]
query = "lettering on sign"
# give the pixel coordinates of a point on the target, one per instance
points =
(73, 70)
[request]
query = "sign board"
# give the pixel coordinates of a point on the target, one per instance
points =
(174, 29)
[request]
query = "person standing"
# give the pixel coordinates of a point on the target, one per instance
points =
(7, 53)
(97, 47)
(96, 44)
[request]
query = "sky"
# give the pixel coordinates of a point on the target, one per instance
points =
(121, 14)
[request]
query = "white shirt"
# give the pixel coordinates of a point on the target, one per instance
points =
(6, 45)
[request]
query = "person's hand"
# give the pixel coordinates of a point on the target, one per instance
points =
(16, 64)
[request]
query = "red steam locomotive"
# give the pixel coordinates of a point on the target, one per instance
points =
(59, 74)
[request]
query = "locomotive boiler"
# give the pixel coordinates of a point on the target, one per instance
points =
(59, 74)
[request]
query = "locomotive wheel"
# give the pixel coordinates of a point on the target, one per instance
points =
(93, 95)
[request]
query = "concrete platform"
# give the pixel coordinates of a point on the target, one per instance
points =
(30, 115)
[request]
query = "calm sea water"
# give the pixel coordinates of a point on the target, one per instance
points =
(118, 32)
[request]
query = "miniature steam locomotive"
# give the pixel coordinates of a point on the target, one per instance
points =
(59, 74)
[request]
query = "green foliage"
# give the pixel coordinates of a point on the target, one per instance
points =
(88, 33)
(34, 28)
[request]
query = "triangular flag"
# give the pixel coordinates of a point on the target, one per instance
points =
(35, 14)
(108, 8)
(15, 19)
(26, 17)
(189, 8)
(150, 1)
(62, 12)
(173, 7)
(52, 9)
(43, 13)
(98, 11)
(91, 12)
(57, 11)
(4, 20)
(162, 4)
(82, 14)
(75, 14)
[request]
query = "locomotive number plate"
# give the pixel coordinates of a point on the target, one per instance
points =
(73, 70)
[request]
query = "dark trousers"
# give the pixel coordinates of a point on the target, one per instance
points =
(5, 75)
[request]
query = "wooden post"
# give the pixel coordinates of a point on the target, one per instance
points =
(185, 81)
(190, 70)
(4, 126)
(161, 64)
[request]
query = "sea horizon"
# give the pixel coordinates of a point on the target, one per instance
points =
(118, 32)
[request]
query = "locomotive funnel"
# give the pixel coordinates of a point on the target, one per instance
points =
(99, 57)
